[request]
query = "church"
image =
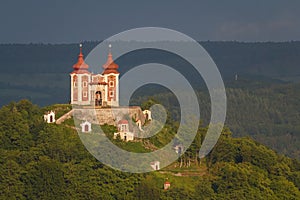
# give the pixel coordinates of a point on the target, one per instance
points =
(92, 95)
(95, 89)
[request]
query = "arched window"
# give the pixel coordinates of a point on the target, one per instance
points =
(75, 80)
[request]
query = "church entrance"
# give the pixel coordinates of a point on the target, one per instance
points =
(98, 99)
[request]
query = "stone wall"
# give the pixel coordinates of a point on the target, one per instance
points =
(109, 116)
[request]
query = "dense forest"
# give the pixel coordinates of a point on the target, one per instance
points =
(48, 161)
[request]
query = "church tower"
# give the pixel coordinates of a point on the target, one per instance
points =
(111, 77)
(80, 82)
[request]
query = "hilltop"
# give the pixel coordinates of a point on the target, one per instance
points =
(48, 161)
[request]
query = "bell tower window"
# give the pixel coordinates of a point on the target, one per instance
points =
(84, 84)
(111, 84)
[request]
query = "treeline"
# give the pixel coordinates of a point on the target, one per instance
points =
(48, 161)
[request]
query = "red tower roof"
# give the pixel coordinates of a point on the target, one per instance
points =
(123, 121)
(80, 67)
(110, 66)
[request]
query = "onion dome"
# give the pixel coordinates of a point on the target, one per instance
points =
(80, 67)
(110, 66)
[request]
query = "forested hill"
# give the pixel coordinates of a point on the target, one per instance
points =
(266, 111)
(264, 59)
(276, 60)
(48, 161)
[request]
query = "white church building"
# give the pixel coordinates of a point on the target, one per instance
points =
(123, 131)
(95, 89)
(49, 117)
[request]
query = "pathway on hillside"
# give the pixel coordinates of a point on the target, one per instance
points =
(66, 116)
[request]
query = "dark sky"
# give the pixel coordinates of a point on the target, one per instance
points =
(69, 21)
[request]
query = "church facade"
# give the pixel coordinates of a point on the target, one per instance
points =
(95, 89)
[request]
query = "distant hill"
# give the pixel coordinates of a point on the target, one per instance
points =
(276, 60)
(279, 60)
